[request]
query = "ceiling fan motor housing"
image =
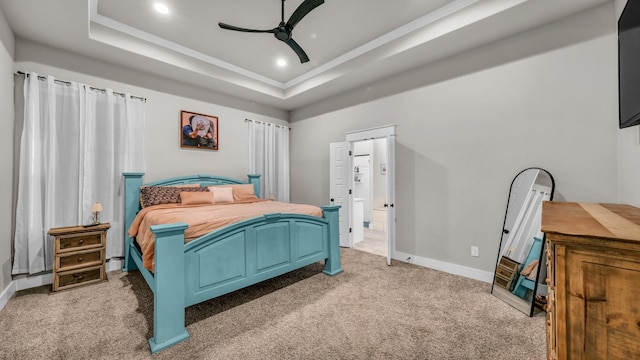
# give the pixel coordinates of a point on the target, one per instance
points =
(282, 33)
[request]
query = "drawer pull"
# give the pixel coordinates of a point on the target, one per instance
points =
(81, 241)
(78, 276)
(80, 259)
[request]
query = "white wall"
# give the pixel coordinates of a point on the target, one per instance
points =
(6, 149)
(544, 98)
(379, 181)
(629, 166)
(628, 153)
(164, 156)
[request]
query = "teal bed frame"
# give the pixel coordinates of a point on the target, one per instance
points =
(225, 260)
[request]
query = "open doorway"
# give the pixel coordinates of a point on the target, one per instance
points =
(342, 177)
(369, 204)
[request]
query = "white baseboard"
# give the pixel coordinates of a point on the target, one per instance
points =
(7, 294)
(27, 282)
(114, 264)
(465, 271)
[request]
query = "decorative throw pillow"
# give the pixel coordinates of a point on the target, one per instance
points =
(240, 191)
(244, 192)
(156, 195)
(222, 195)
(196, 198)
(529, 268)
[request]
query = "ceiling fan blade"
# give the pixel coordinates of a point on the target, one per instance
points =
(302, 11)
(235, 28)
(301, 54)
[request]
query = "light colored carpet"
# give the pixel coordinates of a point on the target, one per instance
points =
(371, 311)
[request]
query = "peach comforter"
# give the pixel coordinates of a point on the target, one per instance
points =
(203, 219)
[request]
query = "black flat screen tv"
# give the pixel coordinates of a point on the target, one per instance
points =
(629, 65)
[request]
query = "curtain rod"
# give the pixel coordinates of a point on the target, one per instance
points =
(267, 123)
(40, 77)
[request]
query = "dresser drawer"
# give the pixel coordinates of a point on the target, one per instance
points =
(84, 276)
(79, 259)
(78, 242)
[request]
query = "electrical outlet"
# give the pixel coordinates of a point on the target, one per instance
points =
(474, 251)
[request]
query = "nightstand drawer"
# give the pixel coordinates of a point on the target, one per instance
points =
(79, 241)
(80, 277)
(79, 259)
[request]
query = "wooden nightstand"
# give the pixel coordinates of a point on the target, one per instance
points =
(506, 272)
(79, 255)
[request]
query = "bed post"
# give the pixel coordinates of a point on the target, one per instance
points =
(332, 264)
(255, 180)
(132, 183)
(169, 287)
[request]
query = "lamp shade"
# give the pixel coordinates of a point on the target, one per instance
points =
(97, 207)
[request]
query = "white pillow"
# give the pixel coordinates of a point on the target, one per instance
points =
(222, 195)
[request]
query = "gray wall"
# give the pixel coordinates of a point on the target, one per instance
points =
(6, 149)
(544, 98)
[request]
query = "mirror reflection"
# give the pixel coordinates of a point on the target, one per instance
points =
(520, 273)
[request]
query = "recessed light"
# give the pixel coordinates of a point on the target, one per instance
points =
(161, 8)
(281, 62)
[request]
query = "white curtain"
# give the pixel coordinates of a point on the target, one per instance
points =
(75, 144)
(269, 157)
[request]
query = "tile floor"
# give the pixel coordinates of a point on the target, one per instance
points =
(374, 242)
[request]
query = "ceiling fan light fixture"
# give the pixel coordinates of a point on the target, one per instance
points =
(161, 8)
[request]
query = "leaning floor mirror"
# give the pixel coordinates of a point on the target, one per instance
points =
(520, 267)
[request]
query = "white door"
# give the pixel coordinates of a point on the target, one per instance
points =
(391, 196)
(384, 132)
(339, 186)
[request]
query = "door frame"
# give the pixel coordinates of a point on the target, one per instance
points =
(383, 132)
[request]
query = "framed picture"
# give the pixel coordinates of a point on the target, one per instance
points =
(383, 169)
(198, 131)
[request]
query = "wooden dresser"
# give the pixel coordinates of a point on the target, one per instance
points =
(79, 255)
(593, 269)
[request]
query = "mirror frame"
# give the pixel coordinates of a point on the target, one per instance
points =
(542, 249)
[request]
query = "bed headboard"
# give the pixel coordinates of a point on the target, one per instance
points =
(133, 182)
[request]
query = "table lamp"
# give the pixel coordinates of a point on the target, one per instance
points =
(96, 209)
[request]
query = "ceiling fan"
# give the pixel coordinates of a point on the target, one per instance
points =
(283, 31)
